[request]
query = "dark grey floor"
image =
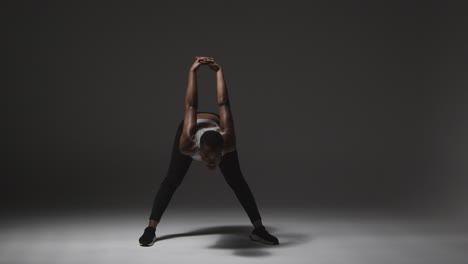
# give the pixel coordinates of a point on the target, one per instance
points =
(216, 235)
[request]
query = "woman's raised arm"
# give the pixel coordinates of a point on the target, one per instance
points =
(191, 105)
(225, 114)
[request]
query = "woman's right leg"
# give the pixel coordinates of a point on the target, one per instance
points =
(178, 167)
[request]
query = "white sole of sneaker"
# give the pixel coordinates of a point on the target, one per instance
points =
(259, 239)
(150, 244)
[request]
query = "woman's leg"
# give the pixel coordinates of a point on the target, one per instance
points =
(178, 167)
(232, 173)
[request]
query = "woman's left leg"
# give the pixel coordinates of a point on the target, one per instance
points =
(232, 173)
(231, 170)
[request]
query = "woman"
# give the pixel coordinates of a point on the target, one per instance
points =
(209, 138)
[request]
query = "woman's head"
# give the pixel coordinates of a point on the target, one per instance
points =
(211, 147)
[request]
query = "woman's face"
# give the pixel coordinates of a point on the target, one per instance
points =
(210, 156)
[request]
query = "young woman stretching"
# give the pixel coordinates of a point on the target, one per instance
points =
(209, 138)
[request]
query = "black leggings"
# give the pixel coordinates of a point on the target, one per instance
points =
(179, 166)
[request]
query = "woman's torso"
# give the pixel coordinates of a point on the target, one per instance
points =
(207, 115)
(205, 121)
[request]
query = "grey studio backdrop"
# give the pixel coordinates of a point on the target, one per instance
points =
(337, 105)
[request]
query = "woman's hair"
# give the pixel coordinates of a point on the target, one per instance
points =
(212, 139)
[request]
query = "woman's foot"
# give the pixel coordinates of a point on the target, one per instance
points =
(261, 235)
(149, 237)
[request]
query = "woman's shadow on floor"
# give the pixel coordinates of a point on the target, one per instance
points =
(237, 239)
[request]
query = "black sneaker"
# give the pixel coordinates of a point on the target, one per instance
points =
(261, 235)
(149, 237)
